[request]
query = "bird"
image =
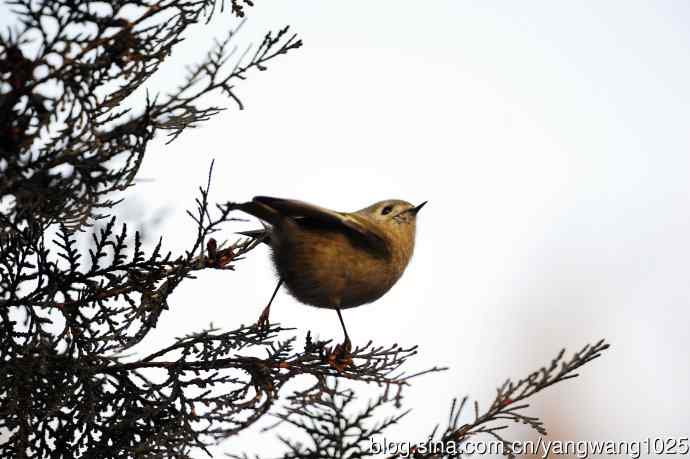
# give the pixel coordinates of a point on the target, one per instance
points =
(334, 260)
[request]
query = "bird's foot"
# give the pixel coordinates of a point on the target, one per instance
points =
(341, 356)
(263, 324)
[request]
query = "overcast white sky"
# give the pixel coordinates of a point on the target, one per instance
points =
(551, 140)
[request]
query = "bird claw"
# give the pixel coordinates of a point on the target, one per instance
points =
(263, 323)
(340, 357)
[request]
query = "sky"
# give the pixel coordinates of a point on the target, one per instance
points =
(551, 140)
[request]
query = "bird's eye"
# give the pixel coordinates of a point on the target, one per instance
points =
(386, 210)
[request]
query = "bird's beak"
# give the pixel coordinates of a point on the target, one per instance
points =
(418, 208)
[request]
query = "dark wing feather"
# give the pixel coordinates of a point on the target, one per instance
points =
(303, 210)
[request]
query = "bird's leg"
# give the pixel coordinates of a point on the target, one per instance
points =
(263, 318)
(346, 344)
(341, 357)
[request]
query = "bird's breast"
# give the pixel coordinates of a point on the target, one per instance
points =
(326, 268)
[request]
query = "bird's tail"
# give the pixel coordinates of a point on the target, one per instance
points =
(263, 235)
(260, 210)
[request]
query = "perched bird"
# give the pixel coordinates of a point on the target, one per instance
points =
(335, 260)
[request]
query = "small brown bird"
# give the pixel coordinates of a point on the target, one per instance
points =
(335, 260)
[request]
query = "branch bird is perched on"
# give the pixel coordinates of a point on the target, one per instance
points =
(335, 260)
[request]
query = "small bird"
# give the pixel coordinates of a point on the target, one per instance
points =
(335, 260)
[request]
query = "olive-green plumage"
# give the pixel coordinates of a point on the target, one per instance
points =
(334, 259)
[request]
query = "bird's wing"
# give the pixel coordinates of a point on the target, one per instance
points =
(300, 210)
